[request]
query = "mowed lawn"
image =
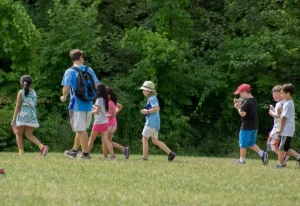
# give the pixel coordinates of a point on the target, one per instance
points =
(58, 180)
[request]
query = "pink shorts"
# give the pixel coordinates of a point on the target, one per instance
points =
(99, 128)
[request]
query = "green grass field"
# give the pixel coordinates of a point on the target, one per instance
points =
(58, 180)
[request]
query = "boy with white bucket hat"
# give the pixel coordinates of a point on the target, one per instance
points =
(152, 125)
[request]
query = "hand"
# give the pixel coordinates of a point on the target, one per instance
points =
(63, 98)
(272, 113)
(13, 122)
(145, 111)
(237, 105)
(271, 107)
(278, 131)
(235, 100)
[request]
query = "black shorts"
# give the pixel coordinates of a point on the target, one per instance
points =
(284, 143)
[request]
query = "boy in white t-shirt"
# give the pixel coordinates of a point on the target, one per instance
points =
(287, 126)
(273, 140)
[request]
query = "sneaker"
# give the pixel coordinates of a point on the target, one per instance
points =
(264, 158)
(81, 156)
(171, 156)
(71, 154)
(280, 166)
(112, 158)
(126, 152)
(144, 159)
(298, 162)
(2, 172)
(44, 151)
(239, 162)
(286, 158)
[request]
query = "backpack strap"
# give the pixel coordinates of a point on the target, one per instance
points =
(75, 68)
(79, 73)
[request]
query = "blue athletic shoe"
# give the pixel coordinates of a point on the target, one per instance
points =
(265, 159)
(126, 152)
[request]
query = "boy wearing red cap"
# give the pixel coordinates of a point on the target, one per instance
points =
(247, 109)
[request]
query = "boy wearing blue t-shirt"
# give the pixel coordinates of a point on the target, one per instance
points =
(152, 124)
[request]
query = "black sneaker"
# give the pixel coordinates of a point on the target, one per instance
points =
(298, 162)
(71, 154)
(81, 156)
(171, 156)
(264, 158)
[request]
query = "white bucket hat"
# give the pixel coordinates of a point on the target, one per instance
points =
(148, 86)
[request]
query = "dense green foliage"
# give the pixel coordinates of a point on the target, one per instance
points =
(197, 53)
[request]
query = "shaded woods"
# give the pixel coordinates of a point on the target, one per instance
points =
(196, 52)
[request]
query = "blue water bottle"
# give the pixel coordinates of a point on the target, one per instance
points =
(71, 105)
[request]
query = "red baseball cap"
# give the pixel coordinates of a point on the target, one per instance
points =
(243, 88)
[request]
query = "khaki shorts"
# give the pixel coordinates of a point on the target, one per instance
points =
(80, 121)
(150, 132)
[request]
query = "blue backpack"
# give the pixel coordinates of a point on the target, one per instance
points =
(86, 89)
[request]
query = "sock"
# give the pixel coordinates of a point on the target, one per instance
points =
(85, 153)
(21, 151)
(41, 146)
(242, 159)
(72, 150)
(260, 153)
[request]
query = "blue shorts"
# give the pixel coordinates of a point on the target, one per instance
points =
(247, 138)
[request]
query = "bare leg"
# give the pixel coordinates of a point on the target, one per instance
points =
(29, 135)
(280, 157)
(76, 142)
(293, 153)
(104, 149)
(19, 137)
(83, 137)
(108, 143)
(161, 145)
(145, 147)
(243, 152)
(115, 145)
(118, 146)
(92, 139)
(255, 148)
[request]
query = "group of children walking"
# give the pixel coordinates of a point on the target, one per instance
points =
(106, 108)
(279, 140)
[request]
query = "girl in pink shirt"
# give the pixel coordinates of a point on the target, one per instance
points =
(114, 108)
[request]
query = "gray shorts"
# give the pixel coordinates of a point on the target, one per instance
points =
(150, 132)
(80, 121)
